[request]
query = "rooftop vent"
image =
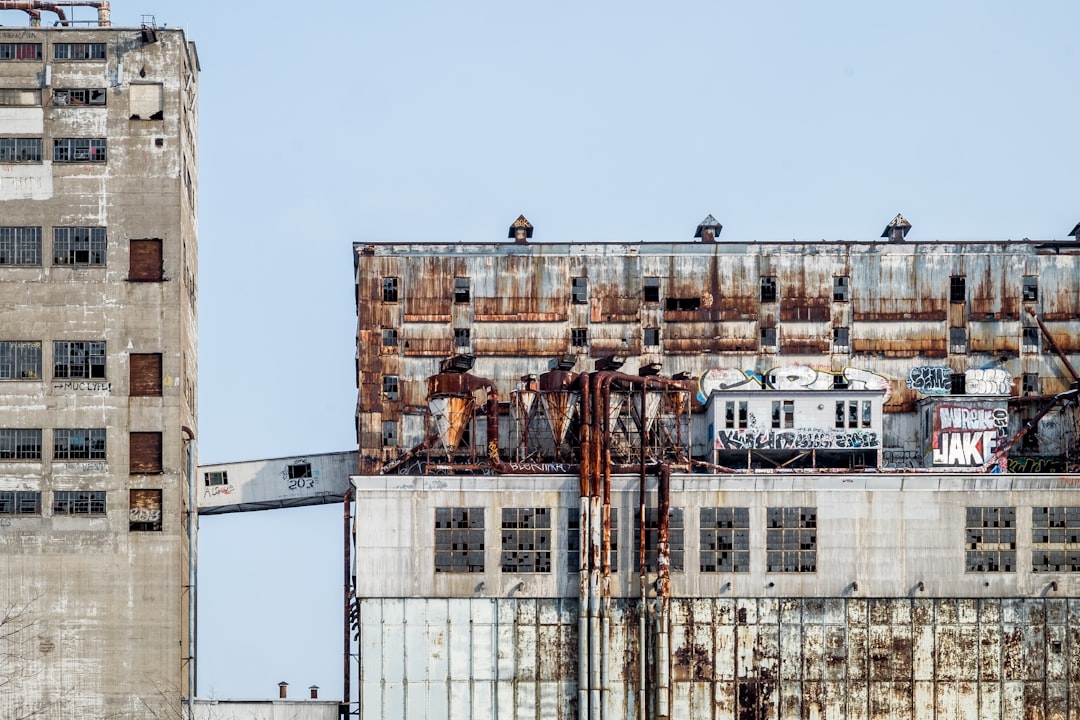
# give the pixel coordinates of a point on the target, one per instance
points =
(457, 364)
(649, 369)
(708, 229)
(521, 230)
(563, 362)
(1075, 232)
(608, 362)
(897, 230)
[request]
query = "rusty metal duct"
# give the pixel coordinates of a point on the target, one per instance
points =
(896, 230)
(34, 10)
(450, 415)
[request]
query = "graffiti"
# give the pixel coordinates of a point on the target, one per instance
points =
(966, 436)
(215, 490)
(930, 379)
(96, 386)
(792, 377)
(4, 522)
(801, 439)
(306, 483)
(87, 468)
(725, 379)
(1032, 464)
(551, 468)
(988, 381)
(901, 459)
(145, 515)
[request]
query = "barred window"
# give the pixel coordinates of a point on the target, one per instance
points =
(20, 246)
(725, 539)
(676, 542)
(79, 51)
(92, 150)
(459, 540)
(78, 359)
(79, 502)
(20, 359)
(791, 540)
(573, 540)
(1055, 533)
(20, 502)
(79, 444)
(79, 245)
(20, 444)
(526, 540)
(20, 150)
(990, 539)
(20, 51)
(79, 96)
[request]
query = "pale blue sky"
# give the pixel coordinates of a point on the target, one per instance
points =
(331, 123)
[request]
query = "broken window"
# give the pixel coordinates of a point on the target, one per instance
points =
(768, 289)
(20, 444)
(1055, 531)
(146, 101)
(1030, 384)
(299, 470)
(20, 359)
(80, 150)
(650, 291)
(20, 97)
(990, 539)
(79, 96)
(83, 246)
(730, 420)
(840, 288)
(144, 510)
(579, 337)
(573, 540)
(78, 359)
(789, 413)
(958, 340)
(1030, 340)
(78, 502)
(867, 413)
(390, 289)
(776, 414)
(461, 337)
(957, 289)
(389, 337)
(461, 290)
(145, 262)
(20, 150)
(742, 414)
(79, 51)
(691, 303)
(725, 539)
(1030, 290)
(526, 540)
(652, 337)
(841, 339)
(79, 444)
(389, 433)
(216, 477)
(20, 502)
(768, 338)
(390, 387)
(580, 290)
(144, 375)
(676, 541)
(20, 51)
(144, 453)
(791, 540)
(958, 383)
(459, 540)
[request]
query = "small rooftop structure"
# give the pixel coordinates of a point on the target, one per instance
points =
(896, 230)
(708, 229)
(521, 230)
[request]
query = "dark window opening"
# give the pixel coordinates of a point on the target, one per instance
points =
(1030, 339)
(526, 540)
(20, 150)
(20, 359)
(957, 289)
(390, 289)
(841, 285)
(459, 540)
(652, 337)
(78, 502)
(580, 290)
(84, 360)
(958, 340)
(79, 96)
(841, 339)
(1056, 530)
(79, 246)
(298, 471)
(390, 387)
(20, 51)
(461, 290)
(20, 502)
(958, 384)
(1030, 290)
(216, 477)
(80, 150)
(990, 539)
(768, 337)
(462, 337)
(791, 540)
(20, 444)
(1030, 384)
(683, 304)
(79, 51)
(579, 337)
(20, 246)
(768, 289)
(389, 337)
(650, 291)
(389, 433)
(725, 539)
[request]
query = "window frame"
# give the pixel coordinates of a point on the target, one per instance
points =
(525, 546)
(20, 502)
(462, 290)
(79, 97)
(19, 150)
(724, 538)
(791, 539)
(651, 337)
(1029, 289)
(462, 337)
(391, 289)
(391, 386)
(20, 444)
(72, 502)
(79, 444)
(767, 289)
(650, 289)
(84, 358)
(390, 337)
(957, 289)
(841, 339)
(986, 529)
(20, 246)
(80, 246)
(459, 533)
(18, 51)
(79, 52)
(579, 290)
(25, 365)
(75, 150)
(579, 337)
(841, 288)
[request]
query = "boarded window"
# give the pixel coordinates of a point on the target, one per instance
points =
(144, 261)
(144, 508)
(145, 379)
(147, 102)
(144, 453)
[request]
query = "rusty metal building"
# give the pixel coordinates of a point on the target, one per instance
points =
(98, 360)
(716, 479)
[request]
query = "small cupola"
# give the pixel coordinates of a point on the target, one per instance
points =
(897, 230)
(521, 230)
(1075, 232)
(708, 229)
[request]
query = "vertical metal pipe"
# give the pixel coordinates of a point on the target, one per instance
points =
(346, 696)
(663, 590)
(583, 545)
(605, 607)
(642, 576)
(193, 544)
(594, 607)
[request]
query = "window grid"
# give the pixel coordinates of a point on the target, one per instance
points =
(20, 51)
(216, 477)
(78, 502)
(526, 540)
(990, 539)
(958, 339)
(725, 539)
(390, 289)
(1030, 339)
(20, 360)
(579, 337)
(20, 444)
(841, 285)
(957, 289)
(79, 245)
(78, 359)
(389, 433)
(20, 246)
(676, 541)
(768, 289)
(20, 502)
(841, 339)
(20, 150)
(580, 290)
(459, 540)
(389, 337)
(79, 51)
(729, 415)
(1055, 532)
(79, 444)
(573, 540)
(791, 540)
(93, 150)
(390, 387)
(79, 96)
(462, 290)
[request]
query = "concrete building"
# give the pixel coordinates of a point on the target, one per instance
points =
(718, 479)
(98, 360)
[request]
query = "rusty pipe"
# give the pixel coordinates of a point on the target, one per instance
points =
(642, 572)
(1053, 345)
(663, 589)
(349, 599)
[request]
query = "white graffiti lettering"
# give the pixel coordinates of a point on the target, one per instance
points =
(145, 515)
(801, 439)
(988, 381)
(967, 448)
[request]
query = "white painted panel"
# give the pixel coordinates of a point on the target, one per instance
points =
(506, 699)
(1012, 700)
(461, 699)
(483, 700)
(680, 699)
(459, 649)
(371, 699)
(525, 698)
(26, 182)
(946, 700)
(526, 652)
(393, 702)
(483, 652)
(989, 701)
(23, 121)
(393, 641)
(416, 639)
(416, 701)
(550, 700)
(967, 707)
(791, 692)
(924, 698)
(507, 647)
(858, 700)
(371, 641)
(438, 700)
